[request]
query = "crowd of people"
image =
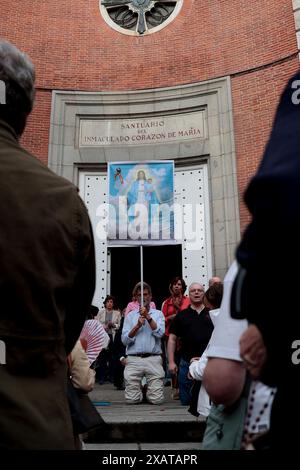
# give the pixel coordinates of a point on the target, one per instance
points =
(144, 346)
(47, 280)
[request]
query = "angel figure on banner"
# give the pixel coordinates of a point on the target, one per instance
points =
(118, 176)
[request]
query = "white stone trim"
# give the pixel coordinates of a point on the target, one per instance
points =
(67, 158)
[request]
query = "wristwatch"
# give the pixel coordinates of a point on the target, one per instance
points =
(149, 320)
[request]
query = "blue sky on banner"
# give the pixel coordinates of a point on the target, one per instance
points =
(141, 197)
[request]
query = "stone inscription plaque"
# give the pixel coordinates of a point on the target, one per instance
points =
(142, 131)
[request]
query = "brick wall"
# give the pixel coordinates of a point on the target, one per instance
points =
(255, 97)
(73, 48)
(36, 136)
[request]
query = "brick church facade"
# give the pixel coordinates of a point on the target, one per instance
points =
(249, 49)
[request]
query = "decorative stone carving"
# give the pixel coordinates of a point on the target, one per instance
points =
(139, 17)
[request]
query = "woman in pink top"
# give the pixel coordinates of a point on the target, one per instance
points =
(134, 305)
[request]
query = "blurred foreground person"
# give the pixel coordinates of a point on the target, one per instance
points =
(224, 378)
(82, 377)
(46, 276)
(270, 251)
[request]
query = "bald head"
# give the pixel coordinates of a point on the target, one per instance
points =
(214, 280)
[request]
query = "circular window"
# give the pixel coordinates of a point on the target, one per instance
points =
(139, 17)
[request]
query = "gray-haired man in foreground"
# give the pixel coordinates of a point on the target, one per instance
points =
(46, 276)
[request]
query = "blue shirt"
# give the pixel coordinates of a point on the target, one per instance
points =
(146, 340)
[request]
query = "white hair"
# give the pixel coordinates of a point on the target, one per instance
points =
(196, 283)
(17, 68)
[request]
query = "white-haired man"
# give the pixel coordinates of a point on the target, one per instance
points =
(47, 276)
(194, 327)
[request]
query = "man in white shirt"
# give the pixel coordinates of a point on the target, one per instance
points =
(225, 373)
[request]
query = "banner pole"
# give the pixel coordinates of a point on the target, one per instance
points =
(142, 275)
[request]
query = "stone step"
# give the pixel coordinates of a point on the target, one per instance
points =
(144, 431)
(174, 446)
(145, 423)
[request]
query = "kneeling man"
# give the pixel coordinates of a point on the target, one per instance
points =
(142, 333)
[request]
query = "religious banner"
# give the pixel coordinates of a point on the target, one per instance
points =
(141, 197)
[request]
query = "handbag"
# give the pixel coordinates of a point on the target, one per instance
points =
(225, 425)
(84, 415)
